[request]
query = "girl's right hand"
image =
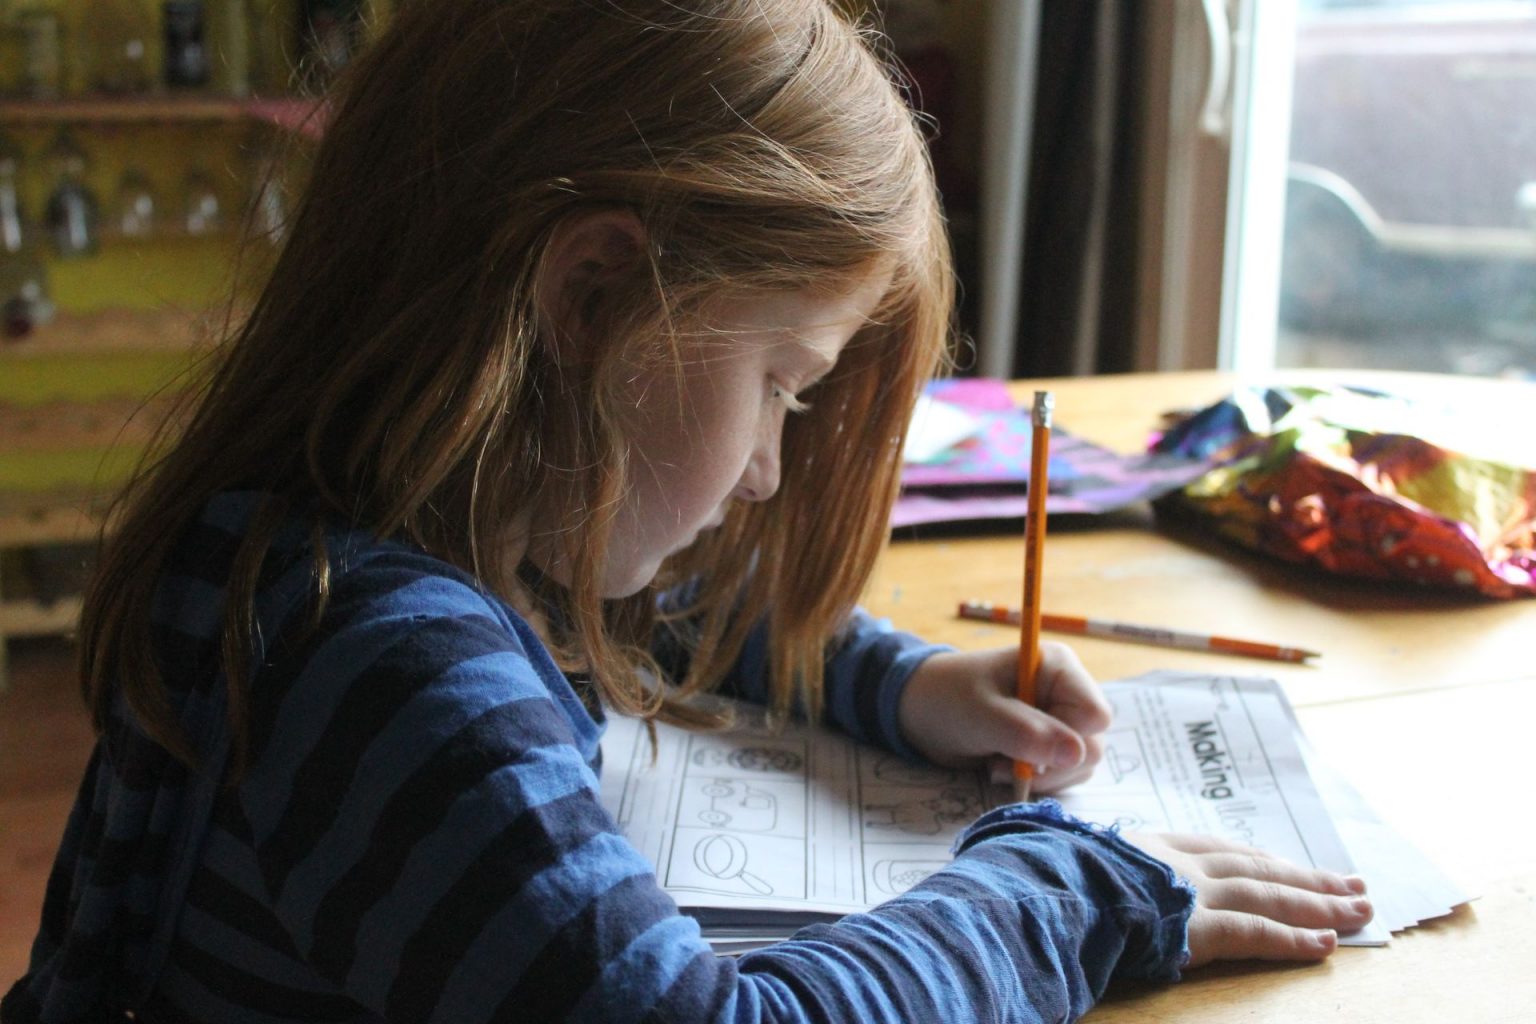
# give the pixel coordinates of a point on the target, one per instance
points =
(1251, 905)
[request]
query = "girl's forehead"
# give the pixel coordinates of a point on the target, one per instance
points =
(848, 303)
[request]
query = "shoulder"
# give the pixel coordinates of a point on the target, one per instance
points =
(391, 610)
(385, 581)
(364, 577)
(405, 641)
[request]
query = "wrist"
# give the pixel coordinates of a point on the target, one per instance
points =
(1149, 902)
(902, 684)
(919, 700)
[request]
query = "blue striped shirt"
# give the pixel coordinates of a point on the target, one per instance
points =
(418, 838)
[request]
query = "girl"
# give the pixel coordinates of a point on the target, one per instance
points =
(579, 385)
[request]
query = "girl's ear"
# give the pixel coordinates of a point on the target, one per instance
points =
(588, 258)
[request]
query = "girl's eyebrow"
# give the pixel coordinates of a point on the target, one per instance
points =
(821, 363)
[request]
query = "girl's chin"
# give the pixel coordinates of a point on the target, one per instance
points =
(631, 583)
(621, 581)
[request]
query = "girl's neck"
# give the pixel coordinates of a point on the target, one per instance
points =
(529, 585)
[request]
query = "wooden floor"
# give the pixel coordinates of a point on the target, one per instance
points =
(45, 740)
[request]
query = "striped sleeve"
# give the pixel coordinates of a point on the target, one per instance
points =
(867, 668)
(419, 838)
(425, 822)
(867, 673)
(424, 819)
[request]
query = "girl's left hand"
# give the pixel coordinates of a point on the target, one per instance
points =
(960, 708)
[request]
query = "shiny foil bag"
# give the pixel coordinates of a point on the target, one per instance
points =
(1351, 482)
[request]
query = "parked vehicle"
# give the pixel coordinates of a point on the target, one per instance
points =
(1412, 183)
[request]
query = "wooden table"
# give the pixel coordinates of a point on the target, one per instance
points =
(1426, 701)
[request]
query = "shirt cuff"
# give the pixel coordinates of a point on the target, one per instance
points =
(1169, 897)
(867, 676)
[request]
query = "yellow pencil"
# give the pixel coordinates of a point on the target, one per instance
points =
(1034, 553)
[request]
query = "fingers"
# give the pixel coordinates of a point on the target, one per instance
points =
(1054, 780)
(1222, 858)
(1265, 869)
(1251, 905)
(1047, 781)
(1288, 904)
(1029, 734)
(1258, 885)
(1066, 690)
(960, 706)
(1057, 733)
(1230, 935)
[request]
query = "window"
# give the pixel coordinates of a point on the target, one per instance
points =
(1409, 228)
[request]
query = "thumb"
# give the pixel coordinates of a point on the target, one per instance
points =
(1028, 734)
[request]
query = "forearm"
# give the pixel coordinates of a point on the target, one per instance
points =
(1031, 922)
(866, 670)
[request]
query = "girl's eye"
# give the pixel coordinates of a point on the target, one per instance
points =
(790, 400)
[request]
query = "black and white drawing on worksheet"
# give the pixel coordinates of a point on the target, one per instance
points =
(805, 820)
(802, 816)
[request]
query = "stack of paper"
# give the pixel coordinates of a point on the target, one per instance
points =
(1405, 887)
(758, 833)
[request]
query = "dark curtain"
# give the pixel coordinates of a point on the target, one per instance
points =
(1077, 294)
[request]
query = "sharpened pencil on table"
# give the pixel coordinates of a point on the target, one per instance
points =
(1034, 553)
(1157, 636)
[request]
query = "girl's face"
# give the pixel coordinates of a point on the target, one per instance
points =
(710, 432)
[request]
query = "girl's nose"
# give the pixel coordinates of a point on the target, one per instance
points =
(760, 480)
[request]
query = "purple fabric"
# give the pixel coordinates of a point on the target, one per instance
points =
(989, 477)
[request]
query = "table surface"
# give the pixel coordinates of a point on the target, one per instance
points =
(1425, 700)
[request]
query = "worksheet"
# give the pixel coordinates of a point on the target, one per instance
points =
(752, 826)
(802, 819)
(1210, 754)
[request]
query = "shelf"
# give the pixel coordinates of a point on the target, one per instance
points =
(304, 117)
(44, 522)
(34, 618)
(125, 331)
(62, 425)
(58, 518)
(146, 109)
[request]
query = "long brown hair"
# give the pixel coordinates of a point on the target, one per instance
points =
(394, 374)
